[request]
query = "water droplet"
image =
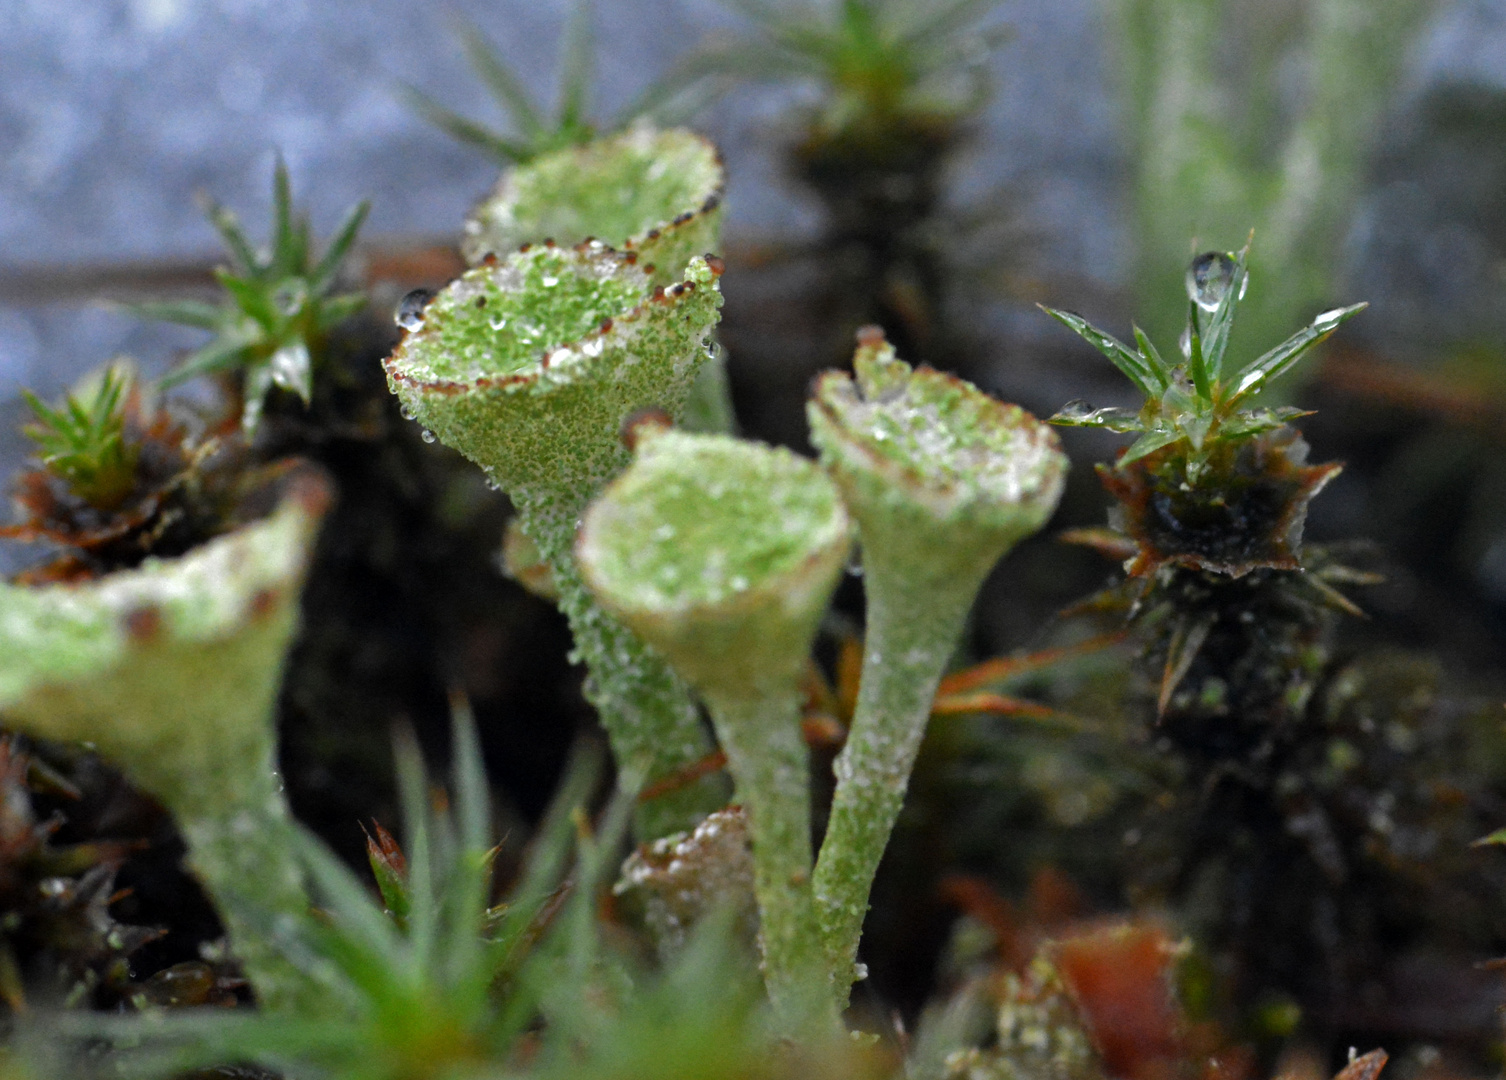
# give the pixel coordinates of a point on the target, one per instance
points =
(1075, 410)
(410, 309)
(1329, 319)
(550, 281)
(739, 583)
(427, 436)
(1185, 342)
(1244, 285)
(498, 323)
(859, 972)
(1209, 278)
(405, 412)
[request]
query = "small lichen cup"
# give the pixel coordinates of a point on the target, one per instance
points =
(943, 480)
(529, 366)
(171, 671)
(723, 555)
(655, 192)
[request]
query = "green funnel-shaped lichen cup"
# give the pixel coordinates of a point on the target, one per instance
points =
(723, 555)
(171, 671)
(943, 480)
(529, 366)
(656, 192)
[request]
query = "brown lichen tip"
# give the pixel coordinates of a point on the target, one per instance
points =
(910, 446)
(643, 423)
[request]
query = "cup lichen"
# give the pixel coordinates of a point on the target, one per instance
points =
(528, 365)
(171, 670)
(723, 555)
(943, 480)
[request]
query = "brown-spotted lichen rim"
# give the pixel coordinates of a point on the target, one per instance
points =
(505, 192)
(833, 389)
(614, 329)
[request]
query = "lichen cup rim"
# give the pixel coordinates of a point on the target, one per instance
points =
(543, 373)
(503, 190)
(835, 532)
(834, 393)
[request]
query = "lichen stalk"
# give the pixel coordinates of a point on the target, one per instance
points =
(912, 632)
(943, 481)
(529, 366)
(768, 757)
(723, 554)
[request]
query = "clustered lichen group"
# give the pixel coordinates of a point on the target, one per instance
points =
(576, 364)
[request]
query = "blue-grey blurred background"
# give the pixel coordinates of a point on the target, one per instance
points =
(115, 113)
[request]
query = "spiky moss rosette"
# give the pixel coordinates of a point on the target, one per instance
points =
(1245, 513)
(723, 554)
(655, 192)
(529, 366)
(171, 670)
(943, 480)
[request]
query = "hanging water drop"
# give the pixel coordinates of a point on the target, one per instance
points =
(427, 436)
(1185, 342)
(410, 309)
(1075, 410)
(1329, 319)
(1208, 279)
(405, 412)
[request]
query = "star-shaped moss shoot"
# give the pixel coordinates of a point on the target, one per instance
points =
(723, 554)
(172, 671)
(1212, 482)
(943, 480)
(656, 193)
(529, 365)
(272, 327)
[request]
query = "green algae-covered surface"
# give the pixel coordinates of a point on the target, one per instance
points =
(655, 191)
(496, 320)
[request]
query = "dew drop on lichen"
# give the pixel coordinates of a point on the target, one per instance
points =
(427, 436)
(410, 309)
(405, 412)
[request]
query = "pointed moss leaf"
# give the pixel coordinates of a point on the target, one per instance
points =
(1148, 443)
(617, 190)
(183, 312)
(508, 90)
(721, 553)
(1197, 366)
(1282, 358)
(1159, 371)
(1081, 414)
(323, 275)
(1134, 366)
(1215, 336)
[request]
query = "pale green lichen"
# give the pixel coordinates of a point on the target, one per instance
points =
(171, 670)
(656, 192)
(942, 480)
(548, 433)
(723, 555)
